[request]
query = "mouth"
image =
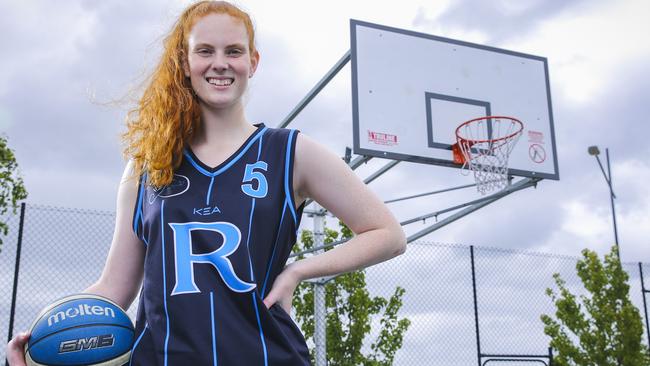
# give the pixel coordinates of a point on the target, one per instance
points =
(220, 81)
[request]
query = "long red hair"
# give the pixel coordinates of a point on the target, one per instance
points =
(168, 113)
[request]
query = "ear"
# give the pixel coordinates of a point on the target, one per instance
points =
(255, 60)
(186, 67)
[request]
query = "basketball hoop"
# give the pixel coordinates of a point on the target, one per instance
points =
(483, 146)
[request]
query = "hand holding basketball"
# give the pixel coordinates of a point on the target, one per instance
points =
(16, 350)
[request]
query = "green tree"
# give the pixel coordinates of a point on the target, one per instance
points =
(12, 189)
(349, 311)
(601, 329)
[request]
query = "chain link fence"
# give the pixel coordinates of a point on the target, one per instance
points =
(62, 252)
(465, 303)
(495, 317)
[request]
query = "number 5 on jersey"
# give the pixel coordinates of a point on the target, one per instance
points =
(251, 175)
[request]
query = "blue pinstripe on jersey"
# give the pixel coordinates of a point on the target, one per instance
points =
(254, 294)
(214, 336)
(207, 197)
(164, 284)
(268, 268)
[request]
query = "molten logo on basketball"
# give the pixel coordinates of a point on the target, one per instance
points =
(74, 345)
(80, 310)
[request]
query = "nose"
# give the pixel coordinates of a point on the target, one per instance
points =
(220, 62)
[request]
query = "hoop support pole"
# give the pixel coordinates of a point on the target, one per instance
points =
(522, 184)
(381, 171)
(431, 193)
(316, 89)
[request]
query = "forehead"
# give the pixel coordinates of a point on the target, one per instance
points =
(218, 29)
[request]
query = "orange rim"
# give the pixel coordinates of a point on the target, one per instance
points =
(472, 141)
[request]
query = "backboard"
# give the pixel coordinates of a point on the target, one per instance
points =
(411, 90)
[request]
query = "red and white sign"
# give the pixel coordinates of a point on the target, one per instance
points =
(380, 138)
(535, 137)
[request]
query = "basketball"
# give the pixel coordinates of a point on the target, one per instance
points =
(80, 329)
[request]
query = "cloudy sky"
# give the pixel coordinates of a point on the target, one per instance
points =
(69, 68)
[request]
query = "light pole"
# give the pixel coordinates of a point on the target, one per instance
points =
(593, 150)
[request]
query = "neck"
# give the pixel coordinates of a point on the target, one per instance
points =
(222, 125)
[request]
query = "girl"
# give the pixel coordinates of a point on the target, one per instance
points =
(209, 206)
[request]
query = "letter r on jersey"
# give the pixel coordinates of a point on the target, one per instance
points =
(185, 259)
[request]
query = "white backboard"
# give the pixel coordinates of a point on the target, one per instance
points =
(411, 90)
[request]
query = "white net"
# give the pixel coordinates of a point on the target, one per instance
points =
(486, 144)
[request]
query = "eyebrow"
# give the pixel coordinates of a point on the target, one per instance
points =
(234, 45)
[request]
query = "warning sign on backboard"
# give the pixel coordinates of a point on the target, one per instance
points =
(537, 153)
(382, 138)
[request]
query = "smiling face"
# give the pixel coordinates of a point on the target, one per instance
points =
(219, 61)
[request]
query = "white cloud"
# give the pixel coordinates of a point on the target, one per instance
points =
(586, 217)
(317, 34)
(633, 209)
(516, 7)
(42, 39)
(589, 46)
(6, 119)
(68, 187)
(582, 221)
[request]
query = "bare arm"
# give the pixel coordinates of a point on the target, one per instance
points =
(323, 176)
(122, 275)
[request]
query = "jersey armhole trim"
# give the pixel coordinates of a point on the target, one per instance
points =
(288, 173)
(137, 210)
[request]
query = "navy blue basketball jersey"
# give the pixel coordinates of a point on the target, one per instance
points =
(216, 239)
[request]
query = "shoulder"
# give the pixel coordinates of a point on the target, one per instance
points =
(130, 179)
(128, 189)
(279, 131)
(275, 137)
(314, 162)
(308, 148)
